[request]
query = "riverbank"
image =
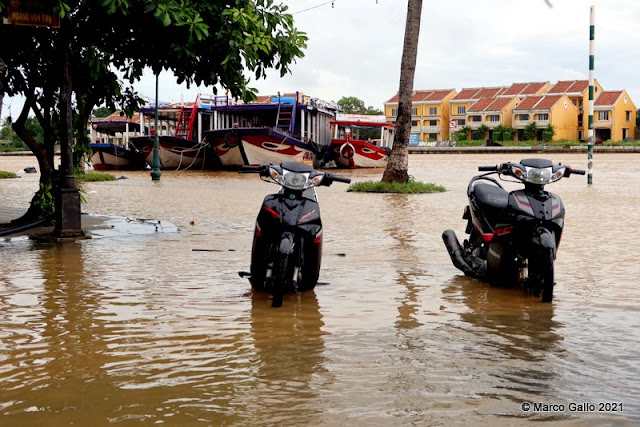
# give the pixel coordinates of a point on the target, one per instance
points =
(531, 149)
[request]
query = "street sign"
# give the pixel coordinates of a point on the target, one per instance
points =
(32, 13)
(453, 124)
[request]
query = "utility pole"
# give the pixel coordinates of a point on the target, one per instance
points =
(155, 167)
(590, 136)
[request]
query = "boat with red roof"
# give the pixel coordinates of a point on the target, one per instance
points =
(361, 141)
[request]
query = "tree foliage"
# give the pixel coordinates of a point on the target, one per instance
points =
(353, 105)
(530, 131)
(548, 133)
(111, 43)
(102, 112)
(481, 132)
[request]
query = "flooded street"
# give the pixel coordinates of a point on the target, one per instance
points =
(145, 329)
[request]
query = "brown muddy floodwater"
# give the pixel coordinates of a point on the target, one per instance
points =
(143, 330)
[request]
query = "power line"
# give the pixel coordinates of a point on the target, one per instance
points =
(315, 7)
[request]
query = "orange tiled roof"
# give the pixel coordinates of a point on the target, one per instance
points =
(515, 89)
(547, 102)
(117, 116)
(532, 88)
(420, 95)
(438, 95)
(608, 98)
(467, 93)
(528, 103)
(424, 95)
(480, 105)
(395, 98)
(498, 104)
(569, 86)
(490, 92)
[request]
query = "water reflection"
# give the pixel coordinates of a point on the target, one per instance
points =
(400, 210)
(53, 357)
(513, 330)
(289, 358)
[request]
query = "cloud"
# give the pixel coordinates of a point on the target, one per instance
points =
(355, 48)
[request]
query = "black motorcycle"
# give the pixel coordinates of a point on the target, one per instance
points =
(513, 236)
(287, 240)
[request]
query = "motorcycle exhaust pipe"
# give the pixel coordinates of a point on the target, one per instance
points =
(456, 253)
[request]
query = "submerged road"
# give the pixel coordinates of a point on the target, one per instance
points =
(142, 328)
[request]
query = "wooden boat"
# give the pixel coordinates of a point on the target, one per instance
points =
(174, 152)
(361, 141)
(178, 146)
(290, 127)
(108, 156)
(111, 149)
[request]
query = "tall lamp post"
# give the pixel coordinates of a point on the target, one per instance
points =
(155, 167)
(68, 222)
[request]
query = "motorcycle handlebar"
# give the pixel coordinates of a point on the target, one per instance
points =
(251, 169)
(339, 179)
(487, 168)
(577, 171)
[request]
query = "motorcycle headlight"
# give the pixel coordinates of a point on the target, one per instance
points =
(295, 180)
(538, 175)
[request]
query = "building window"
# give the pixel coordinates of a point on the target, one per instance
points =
(603, 115)
(394, 111)
(628, 115)
(462, 122)
(494, 118)
(414, 123)
(462, 109)
(543, 117)
(433, 123)
(433, 137)
(414, 111)
(475, 118)
(433, 111)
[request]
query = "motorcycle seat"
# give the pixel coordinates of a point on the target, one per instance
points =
(492, 198)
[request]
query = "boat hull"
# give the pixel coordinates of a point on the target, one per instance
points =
(358, 154)
(174, 153)
(114, 157)
(255, 146)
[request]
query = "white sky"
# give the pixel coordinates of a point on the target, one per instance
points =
(355, 47)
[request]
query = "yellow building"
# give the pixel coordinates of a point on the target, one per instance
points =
(578, 93)
(491, 112)
(461, 103)
(564, 105)
(614, 116)
(555, 110)
(429, 113)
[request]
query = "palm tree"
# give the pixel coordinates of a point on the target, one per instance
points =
(398, 166)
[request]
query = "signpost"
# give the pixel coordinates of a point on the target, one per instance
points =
(32, 13)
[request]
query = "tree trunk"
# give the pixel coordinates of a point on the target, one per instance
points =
(398, 165)
(41, 203)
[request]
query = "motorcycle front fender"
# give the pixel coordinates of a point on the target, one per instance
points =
(286, 244)
(543, 238)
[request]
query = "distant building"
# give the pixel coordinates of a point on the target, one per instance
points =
(614, 116)
(578, 93)
(429, 113)
(563, 105)
(555, 110)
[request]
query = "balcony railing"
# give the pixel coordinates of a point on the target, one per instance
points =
(431, 129)
(521, 124)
